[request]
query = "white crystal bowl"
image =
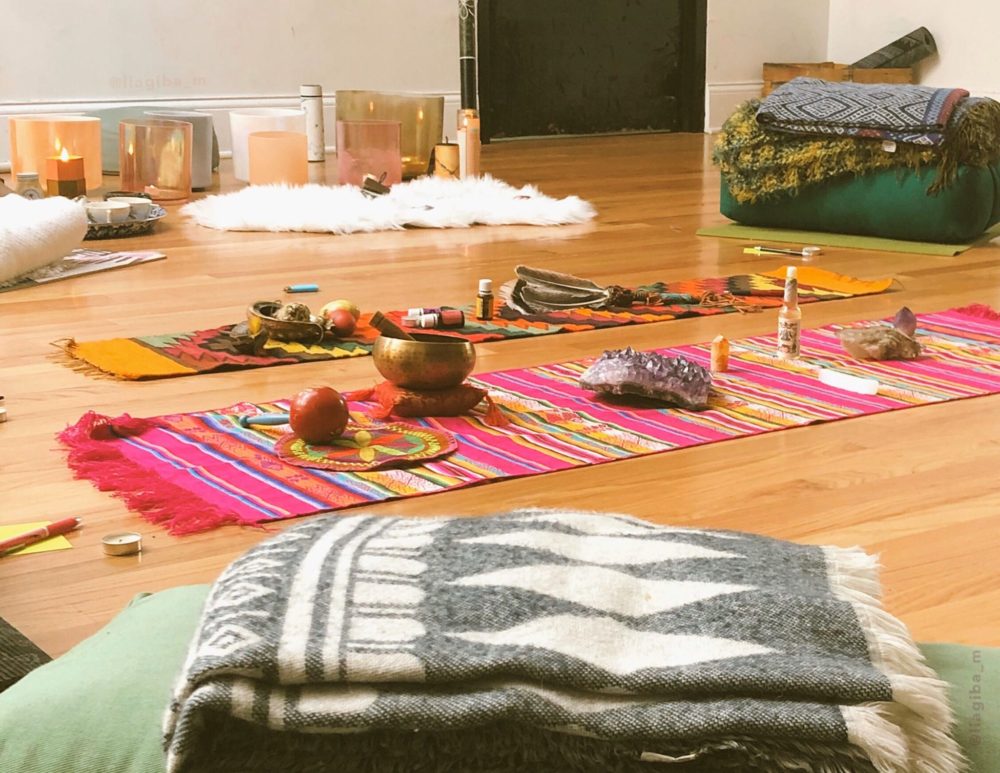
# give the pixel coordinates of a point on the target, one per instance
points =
(245, 121)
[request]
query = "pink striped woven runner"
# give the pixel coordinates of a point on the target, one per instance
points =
(195, 471)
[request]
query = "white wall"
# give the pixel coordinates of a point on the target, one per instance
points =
(965, 32)
(743, 34)
(216, 54)
(64, 55)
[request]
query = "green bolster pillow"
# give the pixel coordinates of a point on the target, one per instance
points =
(891, 203)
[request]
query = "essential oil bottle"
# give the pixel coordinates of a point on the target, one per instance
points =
(484, 299)
(790, 318)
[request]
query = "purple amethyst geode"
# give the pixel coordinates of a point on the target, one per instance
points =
(673, 380)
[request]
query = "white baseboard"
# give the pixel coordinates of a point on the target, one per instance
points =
(219, 107)
(721, 99)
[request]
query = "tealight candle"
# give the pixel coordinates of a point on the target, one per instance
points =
(65, 175)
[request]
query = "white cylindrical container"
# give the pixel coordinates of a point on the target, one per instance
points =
(312, 103)
(244, 121)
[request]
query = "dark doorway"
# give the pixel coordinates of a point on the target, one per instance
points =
(591, 66)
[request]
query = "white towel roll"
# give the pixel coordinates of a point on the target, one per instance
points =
(35, 233)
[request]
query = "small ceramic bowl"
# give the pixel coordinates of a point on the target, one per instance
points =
(139, 206)
(107, 211)
(429, 362)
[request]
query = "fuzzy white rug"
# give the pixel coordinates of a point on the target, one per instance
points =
(426, 202)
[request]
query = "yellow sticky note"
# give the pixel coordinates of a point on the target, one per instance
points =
(9, 530)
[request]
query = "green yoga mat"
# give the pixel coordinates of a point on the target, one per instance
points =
(759, 235)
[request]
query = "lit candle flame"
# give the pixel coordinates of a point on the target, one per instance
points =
(131, 149)
(64, 156)
(371, 107)
(420, 114)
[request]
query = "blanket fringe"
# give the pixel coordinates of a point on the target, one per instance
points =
(91, 456)
(980, 310)
(67, 356)
(920, 700)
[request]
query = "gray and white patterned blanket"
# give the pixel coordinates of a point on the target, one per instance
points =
(890, 111)
(551, 641)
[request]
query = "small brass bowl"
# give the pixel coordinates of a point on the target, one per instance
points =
(260, 316)
(430, 362)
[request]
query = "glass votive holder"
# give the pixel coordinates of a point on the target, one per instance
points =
(368, 147)
(154, 156)
(278, 157)
(421, 119)
(202, 137)
(36, 138)
(246, 121)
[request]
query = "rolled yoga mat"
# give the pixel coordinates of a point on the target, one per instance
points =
(34, 233)
(904, 52)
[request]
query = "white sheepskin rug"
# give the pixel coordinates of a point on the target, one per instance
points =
(426, 202)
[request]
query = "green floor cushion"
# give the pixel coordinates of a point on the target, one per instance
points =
(973, 674)
(99, 708)
(892, 204)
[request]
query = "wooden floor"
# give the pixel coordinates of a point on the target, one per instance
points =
(919, 486)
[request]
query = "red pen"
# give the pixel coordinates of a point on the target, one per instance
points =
(37, 535)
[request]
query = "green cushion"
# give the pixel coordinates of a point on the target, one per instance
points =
(892, 204)
(973, 674)
(100, 706)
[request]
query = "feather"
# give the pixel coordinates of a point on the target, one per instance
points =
(544, 298)
(555, 279)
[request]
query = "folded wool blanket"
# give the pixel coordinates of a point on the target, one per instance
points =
(35, 233)
(551, 641)
(427, 202)
(761, 164)
(889, 111)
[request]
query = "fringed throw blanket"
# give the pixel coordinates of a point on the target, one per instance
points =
(214, 349)
(551, 641)
(914, 114)
(758, 163)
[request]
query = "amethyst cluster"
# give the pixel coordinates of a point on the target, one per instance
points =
(673, 380)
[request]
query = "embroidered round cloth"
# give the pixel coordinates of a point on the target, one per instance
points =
(368, 447)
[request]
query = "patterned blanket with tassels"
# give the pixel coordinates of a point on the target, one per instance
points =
(892, 111)
(759, 163)
(551, 641)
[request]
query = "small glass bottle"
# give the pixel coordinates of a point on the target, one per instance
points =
(790, 318)
(28, 186)
(484, 300)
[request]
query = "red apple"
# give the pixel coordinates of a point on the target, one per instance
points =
(318, 415)
(343, 323)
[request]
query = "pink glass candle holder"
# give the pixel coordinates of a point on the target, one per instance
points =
(278, 157)
(368, 147)
(421, 117)
(155, 157)
(36, 138)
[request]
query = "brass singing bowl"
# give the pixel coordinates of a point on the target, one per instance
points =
(430, 362)
(260, 316)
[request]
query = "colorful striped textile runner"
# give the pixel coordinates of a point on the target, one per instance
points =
(204, 351)
(195, 471)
